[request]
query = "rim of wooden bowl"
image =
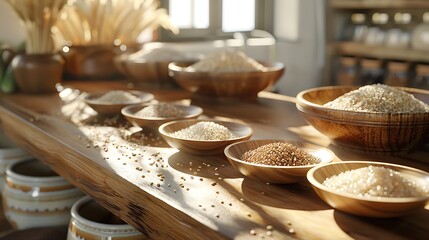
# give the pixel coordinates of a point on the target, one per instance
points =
(191, 110)
(162, 131)
(267, 141)
(315, 183)
(144, 97)
(371, 118)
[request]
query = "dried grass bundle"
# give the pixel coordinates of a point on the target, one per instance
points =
(105, 22)
(38, 17)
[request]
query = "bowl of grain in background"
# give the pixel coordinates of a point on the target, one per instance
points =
(276, 161)
(204, 136)
(153, 115)
(149, 67)
(111, 102)
(375, 118)
(371, 189)
(226, 74)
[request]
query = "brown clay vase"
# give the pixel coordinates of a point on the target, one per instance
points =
(38, 73)
(94, 62)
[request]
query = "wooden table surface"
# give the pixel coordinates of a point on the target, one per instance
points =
(167, 194)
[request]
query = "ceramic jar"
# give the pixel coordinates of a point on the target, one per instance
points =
(93, 62)
(38, 73)
(9, 154)
(91, 221)
(35, 196)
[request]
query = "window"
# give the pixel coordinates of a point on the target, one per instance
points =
(205, 19)
(188, 14)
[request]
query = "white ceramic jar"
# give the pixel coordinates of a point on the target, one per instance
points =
(35, 196)
(9, 154)
(91, 221)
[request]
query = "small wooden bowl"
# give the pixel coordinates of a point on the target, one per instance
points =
(226, 84)
(154, 122)
(274, 174)
(375, 132)
(196, 147)
(381, 207)
(106, 108)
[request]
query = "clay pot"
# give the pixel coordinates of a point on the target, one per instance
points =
(38, 73)
(91, 221)
(35, 196)
(93, 62)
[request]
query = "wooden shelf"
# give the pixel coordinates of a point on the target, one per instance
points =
(372, 4)
(362, 50)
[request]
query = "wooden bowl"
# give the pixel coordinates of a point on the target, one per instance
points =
(106, 108)
(154, 122)
(145, 72)
(378, 132)
(380, 207)
(242, 131)
(225, 84)
(274, 174)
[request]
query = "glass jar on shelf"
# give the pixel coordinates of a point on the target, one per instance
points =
(360, 27)
(421, 79)
(398, 74)
(399, 36)
(420, 34)
(347, 73)
(376, 33)
(372, 71)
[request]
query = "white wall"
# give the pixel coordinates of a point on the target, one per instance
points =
(11, 31)
(300, 48)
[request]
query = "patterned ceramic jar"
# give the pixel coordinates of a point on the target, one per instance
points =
(35, 196)
(9, 154)
(90, 221)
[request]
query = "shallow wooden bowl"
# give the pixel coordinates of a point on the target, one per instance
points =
(381, 207)
(130, 114)
(242, 131)
(106, 108)
(225, 84)
(378, 132)
(274, 174)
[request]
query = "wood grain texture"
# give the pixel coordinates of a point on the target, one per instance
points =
(364, 206)
(274, 174)
(129, 112)
(106, 108)
(375, 132)
(226, 84)
(197, 197)
(241, 131)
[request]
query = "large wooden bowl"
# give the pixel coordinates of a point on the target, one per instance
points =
(379, 132)
(106, 108)
(242, 131)
(381, 207)
(154, 122)
(274, 174)
(226, 84)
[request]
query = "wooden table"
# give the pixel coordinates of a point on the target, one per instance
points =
(167, 194)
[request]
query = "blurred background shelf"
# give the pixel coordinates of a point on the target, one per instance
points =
(387, 38)
(381, 52)
(380, 4)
